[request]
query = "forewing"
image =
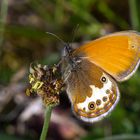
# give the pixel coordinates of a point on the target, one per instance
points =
(118, 54)
(93, 93)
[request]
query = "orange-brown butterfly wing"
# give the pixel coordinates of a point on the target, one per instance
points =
(118, 54)
(93, 93)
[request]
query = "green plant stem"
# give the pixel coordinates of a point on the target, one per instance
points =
(46, 122)
(134, 14)
(3, 16)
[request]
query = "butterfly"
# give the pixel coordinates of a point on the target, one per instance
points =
(91, 73)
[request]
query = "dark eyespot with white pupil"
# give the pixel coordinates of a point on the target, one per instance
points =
(103, 79)
(91, 106)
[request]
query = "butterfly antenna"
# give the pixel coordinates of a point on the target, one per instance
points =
(57, 38)
(74, 32)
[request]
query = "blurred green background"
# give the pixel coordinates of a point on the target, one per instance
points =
(23, 40)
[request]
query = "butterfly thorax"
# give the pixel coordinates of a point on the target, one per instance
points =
(72, 61)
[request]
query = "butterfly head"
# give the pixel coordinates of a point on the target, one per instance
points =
(69, 58)
(67, 51)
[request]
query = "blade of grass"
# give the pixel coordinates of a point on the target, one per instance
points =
(26, 31)
(111, 15)
(82, 11)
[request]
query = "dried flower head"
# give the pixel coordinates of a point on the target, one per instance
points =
(46, 83)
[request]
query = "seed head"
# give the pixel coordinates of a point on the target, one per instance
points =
(46, 83)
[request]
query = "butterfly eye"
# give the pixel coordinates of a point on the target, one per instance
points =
(91, 106)
(103, 79)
